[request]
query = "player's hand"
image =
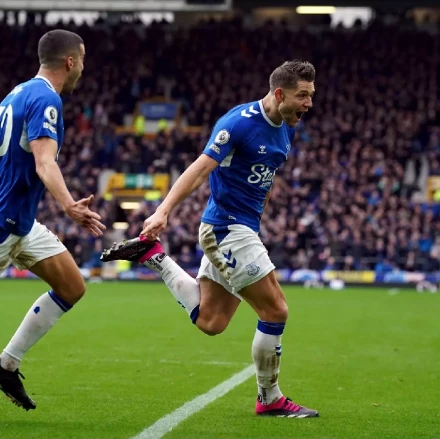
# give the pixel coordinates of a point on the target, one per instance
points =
(82, 215)
(154, 225)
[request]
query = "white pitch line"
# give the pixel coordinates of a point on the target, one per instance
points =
(164, 425)
(207, 363)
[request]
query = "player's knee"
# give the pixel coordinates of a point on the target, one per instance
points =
(73, 291)
(81, 289)
(281, 311)
(276, 312)
(213, 326)
(213, 329)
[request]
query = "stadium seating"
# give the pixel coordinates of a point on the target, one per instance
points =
(341, 201)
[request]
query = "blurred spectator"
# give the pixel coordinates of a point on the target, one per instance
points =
(339, 202)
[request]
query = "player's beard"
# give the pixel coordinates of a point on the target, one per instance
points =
(70, 84)
(288, 115)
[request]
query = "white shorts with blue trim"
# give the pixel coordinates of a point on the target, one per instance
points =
(234, 256)
(25, 251)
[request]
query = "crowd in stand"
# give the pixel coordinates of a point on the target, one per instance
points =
(339, 202)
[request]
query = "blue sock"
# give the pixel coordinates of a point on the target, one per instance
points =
(195, 314)
(65, 306)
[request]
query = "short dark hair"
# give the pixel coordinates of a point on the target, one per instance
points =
(57, 44)
(288, 74)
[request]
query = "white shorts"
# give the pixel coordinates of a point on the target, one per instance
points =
(25, 251)
(234, 256)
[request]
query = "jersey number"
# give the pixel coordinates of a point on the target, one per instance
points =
(6, 128)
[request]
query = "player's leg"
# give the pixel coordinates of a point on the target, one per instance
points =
(10, 383)
(217, 307)
(184, 288)
(267, 299)
(272, 311)
(241, 257)
(43, 254)
(198, 300)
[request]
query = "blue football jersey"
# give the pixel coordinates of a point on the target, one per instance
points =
(249, 148)
(32, 110)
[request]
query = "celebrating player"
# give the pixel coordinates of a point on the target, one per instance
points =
(246, 148)
(31, 134)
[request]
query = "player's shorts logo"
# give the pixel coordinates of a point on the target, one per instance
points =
(51, 114)
(253, 269)
(222, 137)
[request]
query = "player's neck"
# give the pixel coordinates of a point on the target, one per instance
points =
(271, 108)
(53, 78)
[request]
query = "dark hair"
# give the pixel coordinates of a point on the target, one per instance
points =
(288, 74)
(57, 44)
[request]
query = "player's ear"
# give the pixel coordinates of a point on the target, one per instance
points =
(279, 95)
(69, 63)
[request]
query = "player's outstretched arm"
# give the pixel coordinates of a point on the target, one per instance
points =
(186, 184)
(45, 150)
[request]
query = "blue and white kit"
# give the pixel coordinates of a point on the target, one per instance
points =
(249, 148)
(30, 111)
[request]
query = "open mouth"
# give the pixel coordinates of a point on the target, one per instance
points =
(299, 114)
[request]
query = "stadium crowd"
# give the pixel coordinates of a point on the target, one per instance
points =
(338, 202)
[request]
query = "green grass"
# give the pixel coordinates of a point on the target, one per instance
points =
(127, 355)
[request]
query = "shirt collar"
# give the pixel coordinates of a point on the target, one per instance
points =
(47, 82)
(266, 117)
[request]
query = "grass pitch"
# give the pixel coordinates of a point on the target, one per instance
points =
(127, 355)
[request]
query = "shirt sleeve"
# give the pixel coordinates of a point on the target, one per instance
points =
(225, 137)
(42, 115)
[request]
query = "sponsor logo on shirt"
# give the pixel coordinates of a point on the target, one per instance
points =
(261, 174)
(215, 148)
(49, 127)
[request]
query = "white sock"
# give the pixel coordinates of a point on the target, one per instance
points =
(184, 288)
(266, 353)
(43, 314)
